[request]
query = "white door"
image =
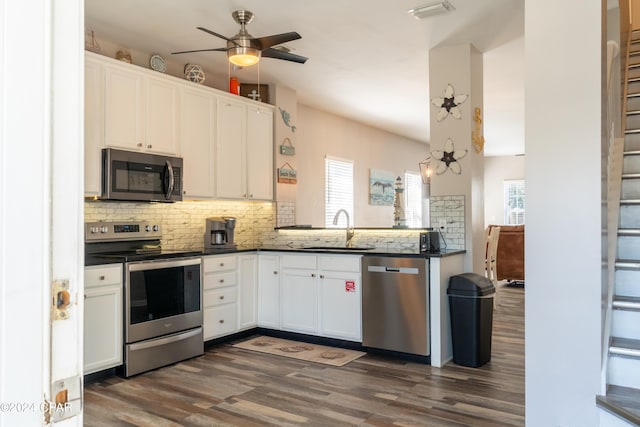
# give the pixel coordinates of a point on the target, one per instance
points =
(259, 153)
(42, 240)
(198, 137)
(161, 118)
(124, 109)
(230, 149)
(248, 291)
(269, 291)
(299, 300)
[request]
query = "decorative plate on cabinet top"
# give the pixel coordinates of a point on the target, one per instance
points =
(157, 63)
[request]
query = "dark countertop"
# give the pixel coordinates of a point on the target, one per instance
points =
(90, 261)
(363, 251)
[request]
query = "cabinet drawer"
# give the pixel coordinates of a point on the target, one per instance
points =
(220, 321)
(298, 261)
(339, 263)
(219, 263)
(218, 280)
(215, 297)
(101, 275)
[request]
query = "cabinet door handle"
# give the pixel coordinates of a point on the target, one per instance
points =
(101, 278)
(221, 296)
(275, 272)
(221, 280)
(222, 264)
(313, 274)
(139, 144)
(149, 146)
(251, 196)
(221, 320)
(322, 276)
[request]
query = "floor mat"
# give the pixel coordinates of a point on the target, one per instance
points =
(301, 350)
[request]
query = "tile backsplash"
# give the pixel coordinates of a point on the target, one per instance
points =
(183, 225)
(449, 210)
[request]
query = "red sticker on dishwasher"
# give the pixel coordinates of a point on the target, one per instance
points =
(349, 286)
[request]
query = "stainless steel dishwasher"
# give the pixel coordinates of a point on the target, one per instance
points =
(395, 304)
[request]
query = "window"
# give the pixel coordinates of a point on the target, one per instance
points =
(413, 199)
(338, 190)
(514, 202)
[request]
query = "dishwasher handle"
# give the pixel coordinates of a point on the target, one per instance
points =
(385, 269)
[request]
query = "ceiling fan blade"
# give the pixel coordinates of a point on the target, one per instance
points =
(220, 49)
(276, 39)
(278, 54)
(213, 33)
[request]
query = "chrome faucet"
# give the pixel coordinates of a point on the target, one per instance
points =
(350, 231)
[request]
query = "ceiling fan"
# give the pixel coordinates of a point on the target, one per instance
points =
(245, 50)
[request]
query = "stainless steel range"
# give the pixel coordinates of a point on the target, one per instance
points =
(162, 293)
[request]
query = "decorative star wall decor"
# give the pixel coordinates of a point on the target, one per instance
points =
(448, 158)
(449, 104)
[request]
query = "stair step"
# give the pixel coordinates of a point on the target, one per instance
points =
(624, 324)
(626, 303)
(623, 402)
(625, 347)
(623, 371)
(627, 283)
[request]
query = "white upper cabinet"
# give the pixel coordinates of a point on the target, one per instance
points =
(124, 109)
(259, 153)
(161, 119)
(231, 149)
(244, 153)
(226, 141)
(141, 111)
(93, 125)
(198, 142)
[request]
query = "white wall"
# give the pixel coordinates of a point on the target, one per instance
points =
(320, 134)
(563, 263)
(497, 169)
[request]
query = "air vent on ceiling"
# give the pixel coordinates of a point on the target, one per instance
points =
(431, 9)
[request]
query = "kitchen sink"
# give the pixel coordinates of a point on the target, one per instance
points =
(340, 248)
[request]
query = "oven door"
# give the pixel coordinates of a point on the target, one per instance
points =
(162, 297)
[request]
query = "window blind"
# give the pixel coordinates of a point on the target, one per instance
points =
(413, 199)
(338, 185)
(514, 202)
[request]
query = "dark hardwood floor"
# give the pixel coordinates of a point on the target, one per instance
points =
(234, 387)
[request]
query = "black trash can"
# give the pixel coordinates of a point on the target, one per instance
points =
(471, 306)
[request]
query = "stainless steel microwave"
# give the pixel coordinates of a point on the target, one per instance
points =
(144, 177)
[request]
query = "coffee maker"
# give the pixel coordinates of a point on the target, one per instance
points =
(219, 233)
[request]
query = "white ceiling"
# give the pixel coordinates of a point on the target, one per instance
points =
(368, 59)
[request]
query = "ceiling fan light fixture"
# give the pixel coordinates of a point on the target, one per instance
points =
(243, 56)
(431, 9)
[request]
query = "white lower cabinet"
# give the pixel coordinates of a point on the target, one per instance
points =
(248, 291)
(299, 293)
(102, 317)
(219, 295)
(269, 291)
(311, 294)
(340, 297)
